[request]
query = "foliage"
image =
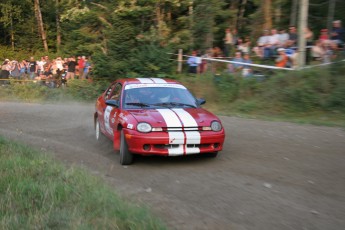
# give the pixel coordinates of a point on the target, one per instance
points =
(37, 192)
(115, 33)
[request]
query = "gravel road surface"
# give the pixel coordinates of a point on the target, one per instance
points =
(270, 175)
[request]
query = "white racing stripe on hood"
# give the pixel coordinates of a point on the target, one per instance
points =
(186, 118)
(170, 118)
(145, 80)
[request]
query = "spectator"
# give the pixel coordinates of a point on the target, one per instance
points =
(59, 66)
(81, 63)
(337, 33)
(47, 65)
(247, 70)
(293, 37)
(283, 38)
(5, 71)
(262, 42)
(87, 67)
(309, 35)
(324, 35)
(237, 66)
(40, 66)
(228, 42)
(32, 67)
(193, 62)
(71, 67)
(243, 46)
(282, 59)
(204, 63)
(23, 68)
(317, 50)
(272, 44)
(15, 69)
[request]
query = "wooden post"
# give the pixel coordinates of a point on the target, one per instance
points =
(302, 25)
(179, 60)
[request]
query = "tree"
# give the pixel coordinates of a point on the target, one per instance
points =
(40, 24)
(10, 13)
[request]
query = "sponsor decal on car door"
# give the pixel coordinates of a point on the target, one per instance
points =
(107, 118)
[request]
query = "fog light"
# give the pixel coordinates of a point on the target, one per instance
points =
(146, 147)
(216, 145)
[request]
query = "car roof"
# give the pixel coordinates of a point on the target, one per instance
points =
(125, 81)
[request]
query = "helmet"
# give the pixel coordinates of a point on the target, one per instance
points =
(164, 99)
(163, 95)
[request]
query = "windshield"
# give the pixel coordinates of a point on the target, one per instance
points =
(153, 97)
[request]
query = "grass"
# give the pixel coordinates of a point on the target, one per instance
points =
(38, 193)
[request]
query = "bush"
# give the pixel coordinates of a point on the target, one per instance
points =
(84, 90)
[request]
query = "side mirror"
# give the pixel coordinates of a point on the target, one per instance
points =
(114, 103)
(201, 101)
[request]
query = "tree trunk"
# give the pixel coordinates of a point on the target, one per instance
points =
(267, 5)
(330, 16)
(40, 24)
(278, 12)
(242, 9)
(58, 26)
(12, 32)
(293, 15)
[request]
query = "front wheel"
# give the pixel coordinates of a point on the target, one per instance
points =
(126, 157)
(211, 155)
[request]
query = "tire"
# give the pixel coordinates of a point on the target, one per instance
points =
(211, 155)
(98, 133)
(126, 157)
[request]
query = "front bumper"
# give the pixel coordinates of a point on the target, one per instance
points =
(174, 143)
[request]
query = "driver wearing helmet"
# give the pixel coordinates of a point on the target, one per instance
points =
(163, 95)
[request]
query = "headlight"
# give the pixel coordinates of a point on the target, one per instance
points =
(144, 127)
(216, 126)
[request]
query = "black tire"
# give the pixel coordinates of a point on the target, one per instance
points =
(98, 133)
(126, 157)
(211, 155)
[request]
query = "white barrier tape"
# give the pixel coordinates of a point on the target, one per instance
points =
(323, 64)
(247, 64)
(263, 66)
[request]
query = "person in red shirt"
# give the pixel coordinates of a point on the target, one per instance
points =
(324, 35)
(81, 63)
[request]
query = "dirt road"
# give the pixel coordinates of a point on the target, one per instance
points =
(271, 175)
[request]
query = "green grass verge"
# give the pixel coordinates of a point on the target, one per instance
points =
(38, 193)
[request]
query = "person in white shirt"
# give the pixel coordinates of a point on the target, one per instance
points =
(262, 42)
(273, 43)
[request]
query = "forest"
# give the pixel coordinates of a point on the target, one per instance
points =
(124, 37)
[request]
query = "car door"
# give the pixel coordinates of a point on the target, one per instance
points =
(111, 112)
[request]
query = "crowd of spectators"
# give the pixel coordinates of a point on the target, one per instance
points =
(273, 47)
(46, 69)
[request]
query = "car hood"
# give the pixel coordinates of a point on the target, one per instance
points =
(175, 117)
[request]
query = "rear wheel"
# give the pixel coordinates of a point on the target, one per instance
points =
(126, 157)
(98, 134)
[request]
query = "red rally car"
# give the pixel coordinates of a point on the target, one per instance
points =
(154, 116)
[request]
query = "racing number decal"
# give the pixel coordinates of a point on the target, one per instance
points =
(107, 120)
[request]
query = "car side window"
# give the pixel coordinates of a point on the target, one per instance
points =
(108, 93)
(116, 93)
